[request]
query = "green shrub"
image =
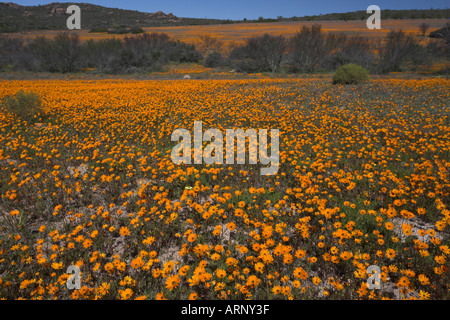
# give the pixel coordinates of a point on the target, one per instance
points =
(98, 30)
(136, 30)
(119, 30)
(27, 105)
(350, 74)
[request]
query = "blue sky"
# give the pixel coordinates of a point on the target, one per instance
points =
(252, 9)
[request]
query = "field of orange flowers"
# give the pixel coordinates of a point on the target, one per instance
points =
(235, 34)
(363, 180)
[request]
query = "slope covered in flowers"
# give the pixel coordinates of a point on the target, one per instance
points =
(363, 180)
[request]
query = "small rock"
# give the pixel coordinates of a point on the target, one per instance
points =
(81, 169)
(416, 225)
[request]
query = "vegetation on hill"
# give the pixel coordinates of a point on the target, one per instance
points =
(53, 16)
(362, 14)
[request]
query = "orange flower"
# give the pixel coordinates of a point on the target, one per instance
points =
(193, 296)
(231, 226)
(172, 282)
(221, 273)
(389, 225)
(192, 237)
(160, 296)
(390, 253)
(124, 231)
(126, 294)
(253, 281)
(300, 273)
(14, 212)
(259, 267)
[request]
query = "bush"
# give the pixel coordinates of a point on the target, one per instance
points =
(100, 54)
(60, 54)
(309, 49)
(119, 30)
(209, 44)
(398, 49)
(355, 49)
(259, 54)
(146, 52)
(98, 30)
(136, 30)
(27, 105)
(213, 60)
(38, 56)
(350, 74)
(66, 48)
(10, 52)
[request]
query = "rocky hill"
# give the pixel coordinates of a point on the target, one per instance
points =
(53, 16)
(16, 18)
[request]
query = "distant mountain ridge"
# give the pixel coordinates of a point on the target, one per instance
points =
(53, 16)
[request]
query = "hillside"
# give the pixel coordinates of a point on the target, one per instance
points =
(15, 18)
(385, 14)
